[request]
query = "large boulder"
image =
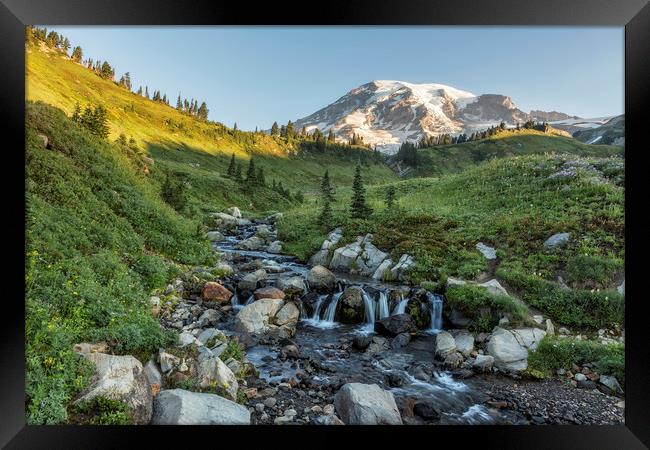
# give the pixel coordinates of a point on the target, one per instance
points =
(487, 251)
(214, 236)
(321, 279)
(445, 345)
(251, 281)
(399, 271)
(288, 315)
(320, 258)
(464, 343)
(292, 285)
(256, 317)
(344, 257)
(234, 211)
(253, 243)
(396, 324)
(366, 404)
(268, 292)
(224, 220)
(494, 287)
(509, 355)
(275, 247)
(529, 337)
(350, 307)
(483, 363)
(180, 407)
(120, 378)
(213, 373)
(370, 258)
(215, 292)
(383, 270)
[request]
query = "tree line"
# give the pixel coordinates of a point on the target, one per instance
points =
(255, 178)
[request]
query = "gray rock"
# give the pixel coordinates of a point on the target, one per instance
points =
(185, 339)
(180, 407)
(345, 256)
(214, 236)
(210, 333)
(288, 315)
(612, 383)
(529, 337)
(328, 420)
(453, 360)
(464, 343)
(275, 247)
(494, 287)
(167, 361)
(209, 317)
(320, 258)
(320, 278)
(487, 251)
(483, 363)
(366, 404)
(153, 376)
(621, 288)
(234, 211)
(256, 317)
(253, 243)
(120, 378)
(557, 240)
(396, 324)
(383, 270)
(580, 377)
(399, 271)
(292, 285)
(509, 355)
(251, 280)
(445, 344)
(370, 259)
(212, 372)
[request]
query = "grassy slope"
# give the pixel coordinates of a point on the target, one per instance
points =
(99, 239)
(509, 204)
(178, 142)
(457, 157)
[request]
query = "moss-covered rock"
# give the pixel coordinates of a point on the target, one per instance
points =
(350, 308)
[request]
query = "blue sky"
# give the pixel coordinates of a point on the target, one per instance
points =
(255, 75)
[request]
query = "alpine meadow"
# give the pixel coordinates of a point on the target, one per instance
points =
(408, 254)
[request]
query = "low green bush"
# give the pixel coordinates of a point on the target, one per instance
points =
(591, 270)
(555, 353)
(581, 308)
(103, 411)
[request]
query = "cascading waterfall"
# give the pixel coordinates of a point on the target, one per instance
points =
(316, 315)
(436, 311)
(400, 308)
(250, 300)
(383, 305)
(234, 301)
(369, 306)
(331, 308)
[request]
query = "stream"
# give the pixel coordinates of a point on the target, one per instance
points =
(410, 372)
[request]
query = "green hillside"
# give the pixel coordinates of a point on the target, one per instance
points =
(457, 157)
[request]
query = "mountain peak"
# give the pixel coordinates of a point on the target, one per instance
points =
(387, 113)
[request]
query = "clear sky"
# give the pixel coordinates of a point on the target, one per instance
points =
(255, 75)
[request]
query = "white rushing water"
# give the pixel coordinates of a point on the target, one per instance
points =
(331, 308)
(383, 305)
(369, 306)
(436, 311)
(328, 316)
(400, 308)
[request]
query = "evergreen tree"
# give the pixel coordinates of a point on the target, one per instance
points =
(274, 129)
(65, 45)
(121, 139)
(146, 91)
(331, 137)
(327, 191)
(390, 196)
(99, 122)
(140, 90)
(203, 111)
(290, 130)
(231, 167)
(179, 103)
(77, 54)
(234, 127)
(238, 175)
(250, 173)
(325, 217)
(358, 208)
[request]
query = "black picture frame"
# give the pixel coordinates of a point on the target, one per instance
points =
(634, 15)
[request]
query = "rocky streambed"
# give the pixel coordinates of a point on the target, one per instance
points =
(316, 346)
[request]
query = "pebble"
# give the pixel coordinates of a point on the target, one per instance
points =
(270, 402)
(259, 407)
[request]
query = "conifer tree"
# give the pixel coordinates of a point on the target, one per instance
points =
(358, 208)
(179, 103)
(203, 111)
(327, 191)
(146, 91)
(331, 138)
(231, 167)
(325, 217)
(290, 130)
(274, 129)
(140, 90)
(77, 54)
(238, 175)
(250, 173)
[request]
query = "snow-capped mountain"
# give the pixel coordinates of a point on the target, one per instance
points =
(386, 113)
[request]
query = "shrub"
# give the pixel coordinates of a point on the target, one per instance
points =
(591, 270)
(233, 350)
(554, 353)
(473, 300)
(580, 308)
(103, 411)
